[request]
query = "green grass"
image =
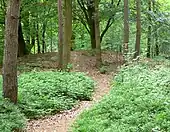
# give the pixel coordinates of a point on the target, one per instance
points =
(138, 102)
(43, 93)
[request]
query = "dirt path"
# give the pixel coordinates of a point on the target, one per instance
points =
(82, 62)
(62, 122)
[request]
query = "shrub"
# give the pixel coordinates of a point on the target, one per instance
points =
(10, 117)
(139, 101)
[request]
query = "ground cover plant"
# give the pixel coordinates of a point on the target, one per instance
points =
(43, 93)
(139, 101)
(10, 117)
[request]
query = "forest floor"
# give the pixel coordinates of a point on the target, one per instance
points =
(82, 61)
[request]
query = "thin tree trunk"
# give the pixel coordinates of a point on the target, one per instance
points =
(138, 28)
(156, 48)
(10, 86)
(149, 31)
(92, 36)
(91, 22)
(97, 35)
(43, 37)
(126, 26)
(33, 36)
(60, 34)
(21, 42)
(67, 32)
(33, 43)
(156, 43)
(51, 44)
(38, 41)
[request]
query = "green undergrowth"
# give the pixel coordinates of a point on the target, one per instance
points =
(138, 102)
(10, 117)
(44, 93)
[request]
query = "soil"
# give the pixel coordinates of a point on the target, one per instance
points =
(82, 61)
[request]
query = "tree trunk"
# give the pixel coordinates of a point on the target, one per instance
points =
(60, 34)
(126, 26)
(97, 35)
(138, 28)
(156, 48)
(89, 10)
(156, 43)
(38, 41)
(149, 31)
(33, 36)
(51, 42)
(67, 32)
(21, 42)
(26, 26)
(43, 37)
(10, 87)
(92, 36)
(91, 22)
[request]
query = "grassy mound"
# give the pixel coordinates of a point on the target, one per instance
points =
(42, 93)
(139, 101)
(10, 117)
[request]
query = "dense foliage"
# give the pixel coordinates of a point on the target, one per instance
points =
(10, 117)
(139, 101)
(41, 16)
(41, 93)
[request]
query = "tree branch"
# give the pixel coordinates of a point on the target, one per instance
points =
(109, 22)
(84, 9)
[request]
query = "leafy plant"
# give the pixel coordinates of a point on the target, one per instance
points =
(42, 93)
(10, 117)
(139, 101)
(103, 69)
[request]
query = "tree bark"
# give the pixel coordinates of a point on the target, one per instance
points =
(92, 35)
(43, 37)
(126, 26)
(60, 34)
(38, 41)
(67, 32)
(138, 28)
(21, 42)
(10, 87)
(156, 43)
(91, 22)
(97, 35)
(149, 31)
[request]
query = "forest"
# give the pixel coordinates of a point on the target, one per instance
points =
(85, 66)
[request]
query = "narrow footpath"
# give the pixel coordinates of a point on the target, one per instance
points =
(62, 122)
(82, 62)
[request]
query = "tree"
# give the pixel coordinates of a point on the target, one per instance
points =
(10, 89)
(67, 32)
(21, 41)
(138, 28)
(156, 47)
(126, 26)
(60, 34)
(149, 31)
(88, 9)
(97, 34)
